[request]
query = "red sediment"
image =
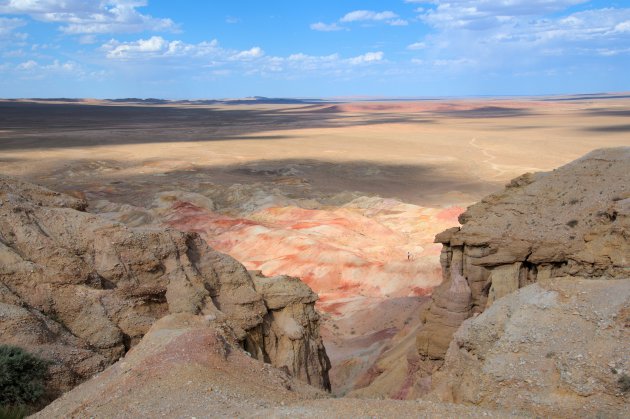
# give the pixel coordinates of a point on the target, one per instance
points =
(339, 253)
(438, 106)
(421, 291)
(450, 214)
(370, 375)
(332, 308)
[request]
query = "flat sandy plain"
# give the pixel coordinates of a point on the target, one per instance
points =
(429, 153)
(308, 175)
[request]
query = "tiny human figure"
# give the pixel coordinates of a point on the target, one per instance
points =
(408, 255)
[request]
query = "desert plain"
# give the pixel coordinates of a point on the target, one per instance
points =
(347, 195)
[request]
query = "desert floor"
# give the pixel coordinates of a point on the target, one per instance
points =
(348, 196)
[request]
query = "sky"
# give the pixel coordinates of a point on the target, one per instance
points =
(196, 49)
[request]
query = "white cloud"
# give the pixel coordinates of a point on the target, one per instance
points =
(40, 47)
(33, 69)
(497, 37)
(326, 27)
(156, 47)
(302, 63)
(417, 46)
(90, 17)
(607, 52)
(506, 31)
(304, 57)
(450, 64)
(14, 53)
(369, 57)
(87, 39)
(586, 26)
(457, 62)
(483, 14)
(67, 67)
(623, 26)
(249, 54)
(155, 44)
(398, 22)
(386, 16)
(332, 65)
(8, 25)
(27, 65)
(361, 15)
(209, 59)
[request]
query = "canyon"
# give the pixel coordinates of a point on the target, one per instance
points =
(350, 204)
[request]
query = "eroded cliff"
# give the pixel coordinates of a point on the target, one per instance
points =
(572, 221)
(562, 240)
(81, 290)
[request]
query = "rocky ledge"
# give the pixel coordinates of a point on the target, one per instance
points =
(81, 291)
(541, 272)
(572, 221)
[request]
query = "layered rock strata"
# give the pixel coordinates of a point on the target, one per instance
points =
(81, 290)
(572, 221)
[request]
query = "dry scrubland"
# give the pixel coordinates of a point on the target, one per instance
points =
(336, 193)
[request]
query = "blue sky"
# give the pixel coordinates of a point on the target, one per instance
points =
(303, 48)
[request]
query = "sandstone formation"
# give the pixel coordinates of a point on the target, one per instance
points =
(353, 251)
(289, 335)
(359, 249)
(556, 348)
(185, 366)
(188, 366)
(543, 269)
(572, 221)
(82, 290)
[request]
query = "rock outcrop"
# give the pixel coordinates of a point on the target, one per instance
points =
(188, 366)
(556, 348)
(360, 257)
(81, 290)
(185, 366)
(533, 310)
(289, 334)
(572, 221)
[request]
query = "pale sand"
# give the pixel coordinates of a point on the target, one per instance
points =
(431, 153)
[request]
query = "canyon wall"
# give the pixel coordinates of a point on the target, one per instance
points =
(81, 290)
(572, 221)
(551, 252)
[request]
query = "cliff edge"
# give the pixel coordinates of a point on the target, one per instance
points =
(572, 221)
(541, 272)
(81, 290)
